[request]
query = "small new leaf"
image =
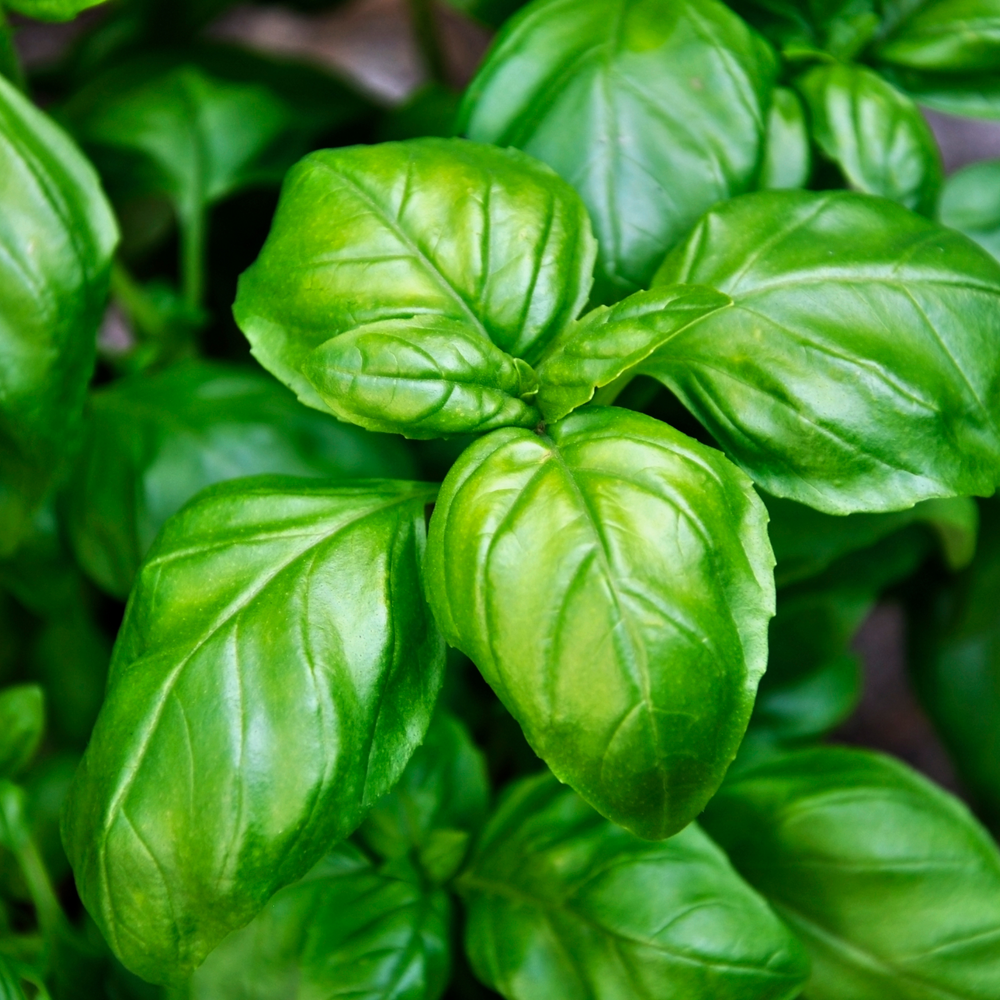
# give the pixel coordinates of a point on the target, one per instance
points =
(22, 724)
(564, 904)
(607, 342)
(426, 377)
(275, 670)
(611, 579)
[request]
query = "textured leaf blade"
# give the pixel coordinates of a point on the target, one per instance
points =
(344, 930)
(946, 35)
(249, 722)
(563, 903)
(423, 378)
(431, 227)
(57, 235)
(891, 884)
(151, 442)
(860, 367)
(606, 93)
(612, 581)
(607, 342)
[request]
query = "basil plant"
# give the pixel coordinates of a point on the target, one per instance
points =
(579, 441)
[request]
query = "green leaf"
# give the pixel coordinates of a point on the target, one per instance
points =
(841, 28)
(22, 723)
(153, 441)
(564, 904)
(489, 12)
(890, 883)
(51, 10)
(436, 228)
(875, 134)
(974, 95)
(954, 647)
(57, 235)
(970, 203)
(652, 109)
(860, 367)
(345, 930)
(787, 155)
(807, 542)
(250, 722)
(438, 803)
(612, 581)
(424, 377)
(946, 35)
(13, 976)
(607, 342)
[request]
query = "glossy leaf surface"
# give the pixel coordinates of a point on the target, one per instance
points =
(424, 377)
(874, 133)
(652, 109)
(891, 884)
(22, 723)
(345, 930)
(564, 904)
(787, 155)
(51, 10)
(428, 228)
(249, 722)
(57, 235)
(947, 35)
(970, 203)
(436, 806)
(860, 367)
(153, 441)
(608, 341)
(612, 581)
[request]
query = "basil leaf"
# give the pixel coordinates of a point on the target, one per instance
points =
(859, 369)
(842, 28)
(13, 976)
(438, 803)
(954, 650)
(344, 930)
(612, 581)
(970, 203)
(153, 441)
(249, 723)
(424, 377)
(22, 723)
(432, 227)
(787, 154)
(57, 235)
(806, 542)
(51, 10)
(890, 883)
(564, 904)
(606, 92)
(607, 342)
(875, 134)
(948, 35)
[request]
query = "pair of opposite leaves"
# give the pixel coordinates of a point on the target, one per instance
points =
(610, 577)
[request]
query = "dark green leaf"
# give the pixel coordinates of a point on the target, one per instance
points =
(431, 111)
(948, 35)
(57, 235)
(787, 155)
(564, 904)
(875, 134)
(860, 367)
(970, 203)
(438, 803)
(152, 442)
(607, 342)
(424, 377)
(343, 931)
(612, 581)
(489, 12)
(432, 227)
(22, 723)
(653, 109)
(955, 654)
(841, 28)
(13, 976)
(51, 10)
(889, 881)
(250, 720)
(976, 95)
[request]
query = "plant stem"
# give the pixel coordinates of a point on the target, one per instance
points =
(428, 39)
(50, 914)
(10, 62)
(193, 257)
